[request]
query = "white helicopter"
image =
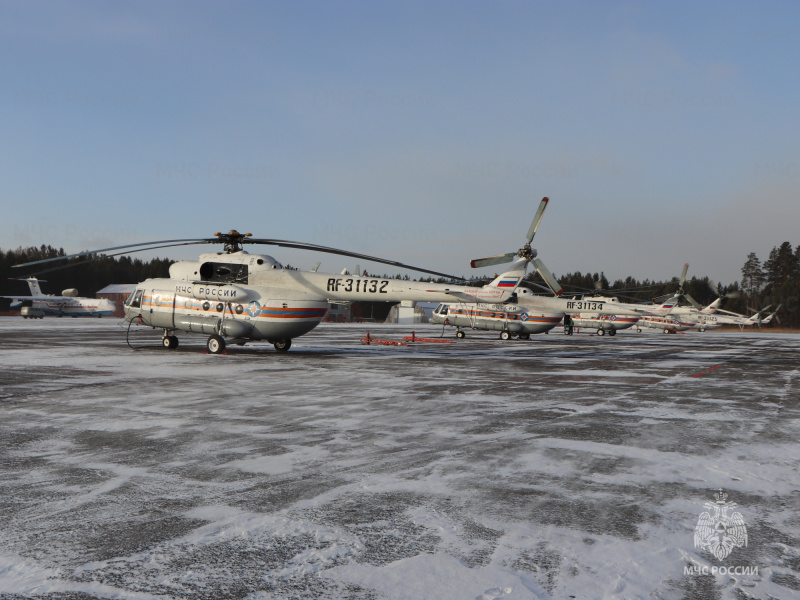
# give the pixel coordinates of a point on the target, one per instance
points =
(725, 317)
(710, 317)
(526, 313)
(68, 304)
(605, 323)
(237, 297)
(671, 317)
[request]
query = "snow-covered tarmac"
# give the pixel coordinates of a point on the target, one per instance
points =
(562, 467)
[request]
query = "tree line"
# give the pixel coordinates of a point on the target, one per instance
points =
(87, 274)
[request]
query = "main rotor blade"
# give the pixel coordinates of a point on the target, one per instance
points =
(693, 302)
(733, 314)
(547, 276)
(150, 246)
(317, 248)
(492, 260)
(537, 218)
(529, 284)
(713, 287)
(662, 299)
(683, 275)
(283, 243)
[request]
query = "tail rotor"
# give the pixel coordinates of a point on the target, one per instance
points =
(526, 253)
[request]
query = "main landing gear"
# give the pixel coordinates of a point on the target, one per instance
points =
(282, 345)
(215, 344)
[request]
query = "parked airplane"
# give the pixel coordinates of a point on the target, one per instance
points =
(38, 304)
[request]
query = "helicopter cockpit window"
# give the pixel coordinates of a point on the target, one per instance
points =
(442, 310)
(135, 299)
(223, 272)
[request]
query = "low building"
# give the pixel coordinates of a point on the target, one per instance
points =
(117, 293)
(338, 312)
(411, 312)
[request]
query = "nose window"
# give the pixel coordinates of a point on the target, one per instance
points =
(135, 299)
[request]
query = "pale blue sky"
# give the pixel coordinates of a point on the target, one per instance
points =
(424, 132)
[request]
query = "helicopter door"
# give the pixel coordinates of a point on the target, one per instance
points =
(162, 309)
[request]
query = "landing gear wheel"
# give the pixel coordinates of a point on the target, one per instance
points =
(460, 334)
(666, 330)
(505, 335)
(638, 330)
(215, 344)
(702, 329)
(283, 345)
(525, 336)
(601, 332)
(612, 332)
(170, 342)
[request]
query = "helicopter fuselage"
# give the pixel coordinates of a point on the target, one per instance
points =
(510, 317)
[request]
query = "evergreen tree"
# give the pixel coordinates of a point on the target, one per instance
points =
(781, 266)
(753, 277)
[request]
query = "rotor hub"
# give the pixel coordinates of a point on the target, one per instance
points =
(232, 240)
(527, 252)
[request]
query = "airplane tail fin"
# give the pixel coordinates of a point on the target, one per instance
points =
(33, 284)
(712, 308)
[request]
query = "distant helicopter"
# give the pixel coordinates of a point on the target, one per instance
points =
(525, 313)
(68, 304)
(237, 297)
